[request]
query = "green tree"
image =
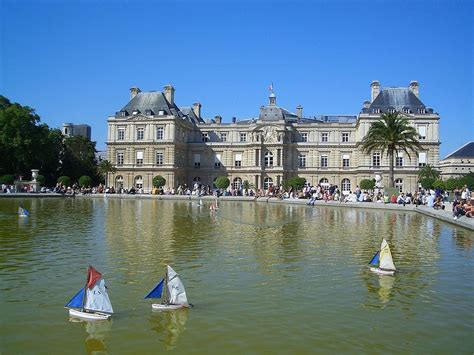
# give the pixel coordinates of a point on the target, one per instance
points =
(428, 171)
(85, 181)
(222, 182)
(295, 182)
(7, 179)
(367, 184)
(40, 179)
(246, 185)
(467, 180)
(391, 134)
(78, 158)
(64, 180)
(159, 181)
(104, 168)
(427, 183)
(439, 184)
(450, 184)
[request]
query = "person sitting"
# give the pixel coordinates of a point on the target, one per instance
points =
(468, 209)
(438, 204)
(401, 199)
(393, 199)
(458, 210)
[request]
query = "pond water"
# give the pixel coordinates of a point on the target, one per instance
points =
(264, 278)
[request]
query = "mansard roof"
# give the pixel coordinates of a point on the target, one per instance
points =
(466, 151)
(189, 112)
(396, 98)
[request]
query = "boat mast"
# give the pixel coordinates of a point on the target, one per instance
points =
(166, 287)
(85, 292)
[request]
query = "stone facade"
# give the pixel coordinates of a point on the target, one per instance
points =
(151, 136)
(458, 163)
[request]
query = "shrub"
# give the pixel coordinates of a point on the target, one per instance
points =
(450, 184)
(159, 181)
(439, 184)
(40, 179)
(7, 179)
(64, 180)
(427, 183)
(295, 182)
(85, 181)
(222, 182)
(367, 184)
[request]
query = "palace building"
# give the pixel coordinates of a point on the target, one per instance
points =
(153, 136)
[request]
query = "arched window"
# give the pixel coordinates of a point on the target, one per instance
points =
(399, 184)
(267, 183)
(237, 184)
(346, 185)
(268, 159)
(324, 182)
(138, 182)
(119, 182)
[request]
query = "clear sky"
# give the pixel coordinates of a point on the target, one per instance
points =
(74, 61)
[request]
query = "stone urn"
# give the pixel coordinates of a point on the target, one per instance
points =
(34, 174)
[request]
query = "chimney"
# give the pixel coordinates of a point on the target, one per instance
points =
(218, 119)
(415, 88)
(299, 111)
(366, 104)
(197, 109)
(169, 94)
(134, 92)
(234, 119)
(375, 89)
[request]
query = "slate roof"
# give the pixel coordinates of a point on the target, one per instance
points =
(395, 98)
(466, 151)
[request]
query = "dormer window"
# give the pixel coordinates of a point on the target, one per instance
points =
(149, 113)
(391, 110)
(161, 113)
(406, 110)
(376, 110)
(135, 112)
(421, 110)
(123, 113)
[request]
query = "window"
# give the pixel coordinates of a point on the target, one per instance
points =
(268, 159)
(197, 160)
(120, 158)
(399, 160)
(140, 134)
(324, 136)
(160, 133)
(267, 183)
(217, 161)
(421, 110)
(304, 137)
(391, 110)
(406, 110)
(324, 182)
(243, 137)
(135, 112)
(205, 137)
(161, 113)
(345, 160)
(346, 185)
(345, 137)
(422, 132)
(139, 158)
(160, 157)
(237, 184)
(238, 160)
(121, 134)
(422, 159)
(123, 113)
(376, 110)
(324, 161)
(119, 182)
(399, 184)
(223, 136)
(376, 159)
(138, 182)
(302, 160)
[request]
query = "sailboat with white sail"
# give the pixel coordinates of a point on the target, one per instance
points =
(23, 212)
(92, 301)
(382, 262)
(171, 290)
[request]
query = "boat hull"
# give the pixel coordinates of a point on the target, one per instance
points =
(167, 307)
(382, 272)
(89, 316)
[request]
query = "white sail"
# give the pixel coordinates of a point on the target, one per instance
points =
(97, 298)
(386, 261)
(175, 288)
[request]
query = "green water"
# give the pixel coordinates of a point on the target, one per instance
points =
(264, 279)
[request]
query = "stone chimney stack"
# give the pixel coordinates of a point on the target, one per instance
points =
(197, 109)
(218, 119)
(415, 88)
(299, 111)
(134, 92)
(169, 94)
(375, 89)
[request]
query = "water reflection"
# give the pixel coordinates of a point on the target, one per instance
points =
(169, 325)
(385, 288)
(97, 332)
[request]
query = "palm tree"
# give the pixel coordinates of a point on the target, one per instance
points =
(104, 168)
(391, 134)
(428, 171)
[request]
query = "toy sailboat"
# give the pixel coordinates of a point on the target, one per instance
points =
(23, 212)
(92, 301)
(174, 292)
(382, 262)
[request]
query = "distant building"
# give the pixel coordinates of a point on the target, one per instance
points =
(152, 136)
(458, 163)
(72, 130)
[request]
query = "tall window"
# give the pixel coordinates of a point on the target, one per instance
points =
(324, 161)
(399, 184)
(119, 158)
(324, 182)
(138, 182)
(346, 185)
(139, 160)
(302, 160)
(160, 133)
(197, 160)
(399, 160)
(406, 110)
(243, 137)
(205, 137)
(160, 157)
(421, 110)
(238, 160)
(267, 183)
(422, 132)
(119, 182)
(376, 159)
(268, 159)
(140, 133)
(324, 136)
(304, 136)
(223, 136)
(391, 110)
(422, 159)
(121, 134)
(345, 137)
(237, 184)
(217, 161)
(345, 160)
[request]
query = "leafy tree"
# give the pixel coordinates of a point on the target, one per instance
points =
(391, 134)
(159, 181)
(367, 184)
(85, 181)
(427, 183)
(439, 184)
(64, 180)
(428, 171)
(104, 168)
(7, 179)
(467, 180)
(295, 182)
(450, 184)
(40, 179)
(246, 185)
(222, 182)
(78, 158)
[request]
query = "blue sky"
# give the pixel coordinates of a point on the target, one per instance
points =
(74, 61)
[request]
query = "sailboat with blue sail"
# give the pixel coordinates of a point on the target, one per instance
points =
(92, 301)
(23, 212)
(382, 262)
(172, 292)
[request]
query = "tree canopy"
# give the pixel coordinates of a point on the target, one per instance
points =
(222, 182)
